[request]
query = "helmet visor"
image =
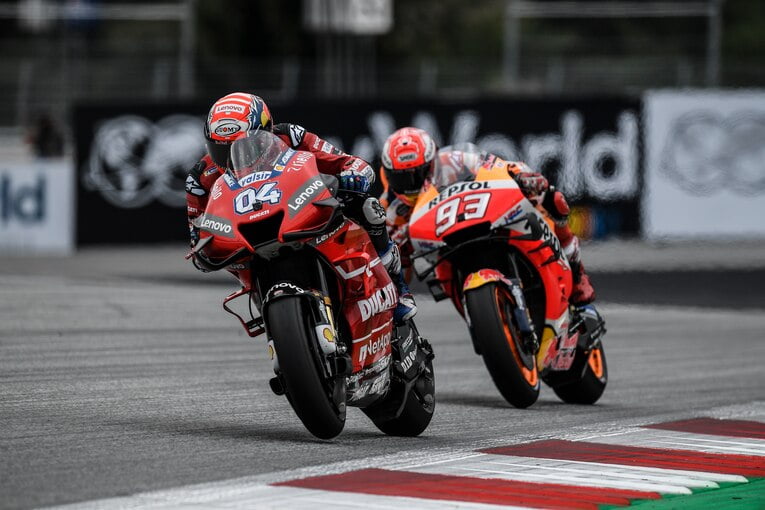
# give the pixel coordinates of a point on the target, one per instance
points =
(220, 153)
(408, 181)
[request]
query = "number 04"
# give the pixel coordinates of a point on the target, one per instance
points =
(474, 207)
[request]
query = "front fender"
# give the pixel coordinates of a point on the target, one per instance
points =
(322, 321)
(483, 277)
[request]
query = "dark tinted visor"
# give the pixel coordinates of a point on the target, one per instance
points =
(409, 181)
(219, 153)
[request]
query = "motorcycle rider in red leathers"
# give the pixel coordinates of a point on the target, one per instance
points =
(408, 158)
(235, 114)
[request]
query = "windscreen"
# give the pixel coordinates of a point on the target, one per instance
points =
(456, 163)
(256, 152)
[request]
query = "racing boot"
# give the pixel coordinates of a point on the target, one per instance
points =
(582, 293)
(406, 307)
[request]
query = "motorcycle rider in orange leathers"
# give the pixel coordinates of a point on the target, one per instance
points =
(232, 117)
(408, 159)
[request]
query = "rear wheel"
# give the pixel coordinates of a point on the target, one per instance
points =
(301, 368)
(493, 327)
(590, 387)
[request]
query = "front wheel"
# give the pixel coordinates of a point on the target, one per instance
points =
(590, 387)
(308, 390)
(494, 330)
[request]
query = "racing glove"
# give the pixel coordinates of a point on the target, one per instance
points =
(531, 183)
(359, 177)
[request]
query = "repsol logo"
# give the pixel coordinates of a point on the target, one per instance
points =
(217, 226)
(299, 200)
(383, 299)
(458, 188)
(374, 346)
(25, 203)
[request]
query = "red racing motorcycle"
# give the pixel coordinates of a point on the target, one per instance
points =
(479, 242)
(313, 284)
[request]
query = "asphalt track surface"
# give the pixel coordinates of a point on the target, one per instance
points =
(120, 373)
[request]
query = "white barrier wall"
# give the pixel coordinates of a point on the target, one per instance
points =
(37, 207)
(704, 164)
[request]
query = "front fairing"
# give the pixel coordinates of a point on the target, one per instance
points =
(270, 191)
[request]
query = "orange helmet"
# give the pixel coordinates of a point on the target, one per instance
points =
(407, 159)
(232, 117)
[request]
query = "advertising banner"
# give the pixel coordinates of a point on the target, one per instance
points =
(133, 160)
(705, 165)
(132, 163)
(36, 207)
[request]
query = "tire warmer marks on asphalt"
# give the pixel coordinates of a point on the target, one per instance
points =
(698, 463)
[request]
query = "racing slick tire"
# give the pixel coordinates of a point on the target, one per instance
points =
(301, 370)
(493, 326)
(590, 387)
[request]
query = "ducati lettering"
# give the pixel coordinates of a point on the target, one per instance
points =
(383, 299)
(303, 196)
(218, 226)
(374, 346)
(458, 188)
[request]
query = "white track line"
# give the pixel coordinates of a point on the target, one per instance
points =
(673, 440)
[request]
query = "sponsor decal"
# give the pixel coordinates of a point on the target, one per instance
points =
(283, 288)
(383, 299)
(259, 214)
(285, 158)
(324, 237)
(225, 129)
(458, 188)
(216, 191)
(327, 147)
(303, 196)
(193, 187)
(229, 108)
(296, 134)
(232, 184)
(374, 345)
(408, 361)
(300, 160)
(254, 177)
(217, 226)
(211, 171)
(513, 214)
